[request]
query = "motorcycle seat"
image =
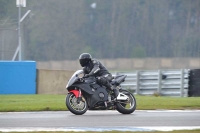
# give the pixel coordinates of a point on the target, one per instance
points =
(118, 79)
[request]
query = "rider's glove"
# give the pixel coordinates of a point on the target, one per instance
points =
(86, 75)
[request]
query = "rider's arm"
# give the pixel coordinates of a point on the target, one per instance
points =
(95, 67)
(85, 70)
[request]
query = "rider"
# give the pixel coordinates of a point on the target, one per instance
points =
(94, 67)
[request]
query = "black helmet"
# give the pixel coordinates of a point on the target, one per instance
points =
(84, 59)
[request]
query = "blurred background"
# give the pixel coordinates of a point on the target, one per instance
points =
(148, 33)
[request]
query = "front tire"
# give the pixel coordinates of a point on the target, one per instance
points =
(127, 106)
(75, 107)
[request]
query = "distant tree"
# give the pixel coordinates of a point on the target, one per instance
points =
(61, 30)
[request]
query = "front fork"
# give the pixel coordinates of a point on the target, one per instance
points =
(79, 96)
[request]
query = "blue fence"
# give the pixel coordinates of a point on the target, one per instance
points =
(18, 77)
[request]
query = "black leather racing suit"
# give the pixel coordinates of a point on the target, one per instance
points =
(95, 68)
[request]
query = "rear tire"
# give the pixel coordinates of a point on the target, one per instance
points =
(74, 107)
(121, 106)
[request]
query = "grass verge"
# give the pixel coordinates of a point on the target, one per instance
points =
(12, 103)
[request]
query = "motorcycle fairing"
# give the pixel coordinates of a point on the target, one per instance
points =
(95, 94)
(83, 86)
(89, 87)
(100, 95)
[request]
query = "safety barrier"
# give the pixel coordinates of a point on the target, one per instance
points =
(160, 82)
(17, 77)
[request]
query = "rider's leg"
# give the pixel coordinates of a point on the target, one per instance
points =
(104, 80)
(115, 90)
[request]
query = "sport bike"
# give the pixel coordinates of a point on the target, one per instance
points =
(86, 94)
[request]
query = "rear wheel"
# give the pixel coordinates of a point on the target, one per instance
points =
(77, 108)
(126, 106)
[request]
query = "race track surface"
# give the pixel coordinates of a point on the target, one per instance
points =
(100, 120)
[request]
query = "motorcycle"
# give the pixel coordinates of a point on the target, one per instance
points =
(86, 94)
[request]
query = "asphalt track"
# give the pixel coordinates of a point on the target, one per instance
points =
(148, 120)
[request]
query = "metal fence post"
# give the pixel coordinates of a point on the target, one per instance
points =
(159, 81)
(138, 82)
(182, 83)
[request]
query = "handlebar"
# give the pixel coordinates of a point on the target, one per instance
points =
(82, 79)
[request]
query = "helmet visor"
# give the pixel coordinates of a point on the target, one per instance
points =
(83, 62)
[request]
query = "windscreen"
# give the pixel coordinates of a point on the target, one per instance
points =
(74, 77)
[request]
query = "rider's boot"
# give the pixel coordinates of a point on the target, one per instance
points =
(115, 90)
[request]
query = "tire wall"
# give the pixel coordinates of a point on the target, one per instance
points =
(194, 83)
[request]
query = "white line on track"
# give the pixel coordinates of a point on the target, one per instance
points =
(98, 129)
(186, 111)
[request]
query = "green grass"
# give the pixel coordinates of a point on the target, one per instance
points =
(32, 102)
(57, 103)
(152, 102)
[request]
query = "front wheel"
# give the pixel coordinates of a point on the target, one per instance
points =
(126, 106)
(77, 107)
